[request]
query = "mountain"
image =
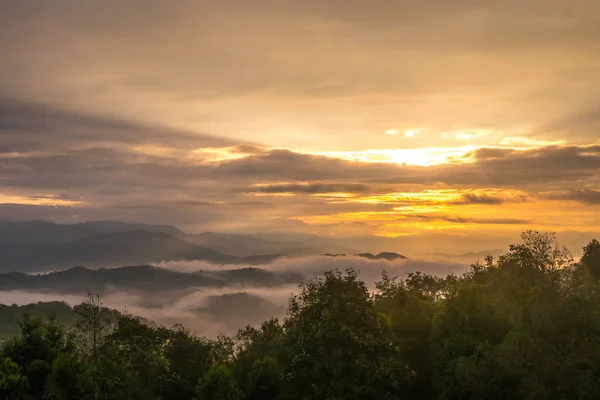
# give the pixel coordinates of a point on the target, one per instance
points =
(119, 226)
(41, 232)
(381, 256)
(10, 315)
(45, 232)
(318, 244)
(464, 257)
(114, 248)
(143, 278)
(243, 246)
(39, 246)
(386, 255)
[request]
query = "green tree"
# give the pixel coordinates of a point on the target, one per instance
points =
(218, 384)
(341, 347)
(538, 250)
(409, 307)
(260, 360)
(67, 379)
(35, 349)
(188, 357)
(13, 384)
(591, 258)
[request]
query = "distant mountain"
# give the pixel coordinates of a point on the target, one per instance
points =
(144, 278)
(469, 257)
(41, 245)
(119, 226)
(320, 244)
(381, 256)
(41, 232)
(45, 232)
(114, 248)
(243, 246)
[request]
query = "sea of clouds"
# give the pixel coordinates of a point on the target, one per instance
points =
(185, 306)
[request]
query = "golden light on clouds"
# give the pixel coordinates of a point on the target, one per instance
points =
(408, 133)
(218, 154)
(423, 157)
(37, 200)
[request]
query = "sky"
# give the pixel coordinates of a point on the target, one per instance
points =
(437, 119)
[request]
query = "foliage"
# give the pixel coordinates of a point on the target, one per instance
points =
(218, 384)
(13, 384)
(341, 348)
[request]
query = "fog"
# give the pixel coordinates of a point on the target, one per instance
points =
(205, 313)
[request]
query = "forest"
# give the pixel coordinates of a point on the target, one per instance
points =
(524, 325)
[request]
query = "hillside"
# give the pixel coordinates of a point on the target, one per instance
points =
(144, 278)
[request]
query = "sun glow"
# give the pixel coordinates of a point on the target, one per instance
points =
(411, 133)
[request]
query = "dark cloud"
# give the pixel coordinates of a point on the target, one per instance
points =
(27, 127)
(315, 188)
(586, 196)
(466, 220)
(474, 198)
(470, 198)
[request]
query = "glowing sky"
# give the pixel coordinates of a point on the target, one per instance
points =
(462, 118)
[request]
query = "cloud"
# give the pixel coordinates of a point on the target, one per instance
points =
(38, 127)
(171, 308)
(182, 187)
(586, 196)
(252, 81)
(486, 199)
(466, 220)
(315, 188)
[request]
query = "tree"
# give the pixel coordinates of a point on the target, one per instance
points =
(340, 347)
(218, 384)
(188, 357)
(409, 307)
(95, 322)
(67, 379)
(591, 258)
(260, 359)
(35, 349)
(539, 251)
(13, 384)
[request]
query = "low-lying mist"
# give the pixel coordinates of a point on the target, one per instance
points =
(210, 311)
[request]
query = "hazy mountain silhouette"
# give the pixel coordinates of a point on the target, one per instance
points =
(386, 255)
(242, 246)
(45, 232)
(381, 256)
(143, 278)
(53, 246)
(38, 246)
